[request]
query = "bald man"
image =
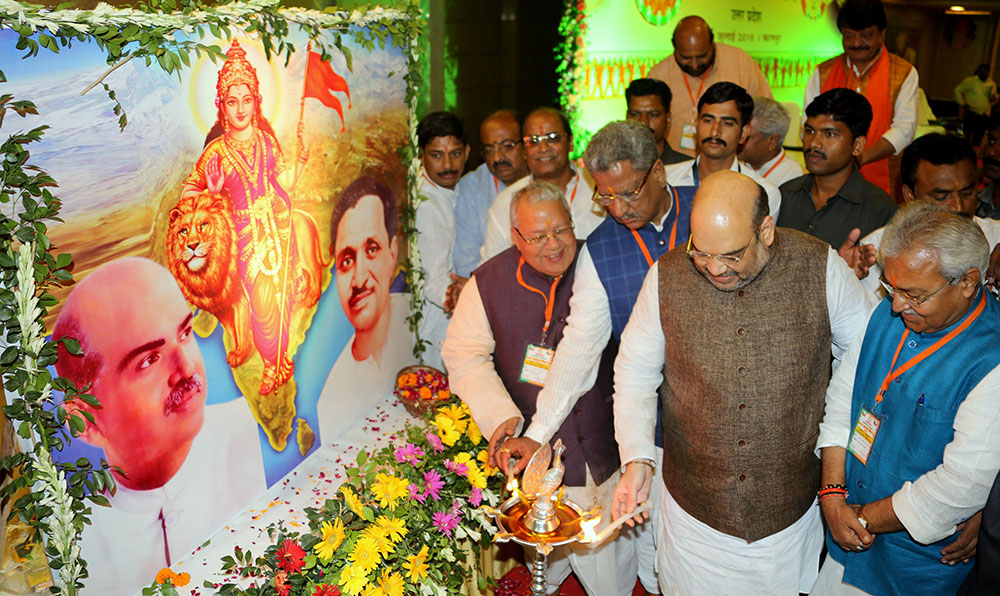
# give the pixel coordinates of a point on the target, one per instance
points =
(754, 314)
(141, 360)
(698, 62)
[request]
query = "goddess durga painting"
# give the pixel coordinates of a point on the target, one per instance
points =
(235, 244)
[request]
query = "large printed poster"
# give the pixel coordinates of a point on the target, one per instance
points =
(238, 294)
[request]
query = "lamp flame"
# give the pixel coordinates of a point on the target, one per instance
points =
(512, 484)
(587, 527)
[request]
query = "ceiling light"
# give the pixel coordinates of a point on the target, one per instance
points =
(957, 8)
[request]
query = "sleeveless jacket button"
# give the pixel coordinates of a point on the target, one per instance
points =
(742, 477)
(741, 332)
(742, 370)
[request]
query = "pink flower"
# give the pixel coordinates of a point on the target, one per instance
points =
(460, 469)
(476, 497)
(445, 522)
(456, 509)
(433, 485)
(409, 453)
(415, 494)
(435, 442)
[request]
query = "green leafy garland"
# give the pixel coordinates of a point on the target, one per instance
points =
(51, 495)
(571, 70)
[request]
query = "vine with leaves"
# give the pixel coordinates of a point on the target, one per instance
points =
(51, 497)
(571, 70)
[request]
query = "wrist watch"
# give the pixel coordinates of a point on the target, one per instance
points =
(640, 460)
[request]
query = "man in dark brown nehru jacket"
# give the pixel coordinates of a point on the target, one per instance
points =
(753, 314)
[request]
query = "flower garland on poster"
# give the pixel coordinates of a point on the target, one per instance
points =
(401, 523)
(167, 33)
(571, 70)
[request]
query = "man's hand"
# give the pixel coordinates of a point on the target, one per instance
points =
(522, 448)
(859, 257)
(842, 519)
(993, 272)
(632, 489)
(500, 435)
(964, 547)
(454, 290)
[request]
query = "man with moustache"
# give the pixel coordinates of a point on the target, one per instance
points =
(503, 165)
(975, 96)
(740, 329)
(886, 80)
(989, 199)
(696, 64)
(363, 232)
(834, 201)
(443, 152)
(724, 113)
(648, 218)
(547, 143)
(648, 101)
(509, 320)
(763, 148)
(142, 362)
(908, 441)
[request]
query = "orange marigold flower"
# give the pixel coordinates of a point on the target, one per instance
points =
(425, 393)
(181, 580)
(164, 574)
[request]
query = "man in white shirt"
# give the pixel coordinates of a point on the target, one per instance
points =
(548, 141)
(724, 113)
(753, 314)
(443, 152)
(142, 362)
(503, 165)
(908, 441)
(365, 250)
(976, 95)
(763, 148)
(888, 82)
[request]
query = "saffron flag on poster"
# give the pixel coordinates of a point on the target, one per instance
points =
(322, 82)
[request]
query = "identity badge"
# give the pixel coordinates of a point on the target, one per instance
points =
(864, 435)
(537, 361)
(687, 136)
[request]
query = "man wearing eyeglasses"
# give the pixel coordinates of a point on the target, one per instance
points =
(724, 114)
(547, 144)
(508, 322)
(649, 217)
(503, 165)
(443, 151)
(908, 441)
(740, 329)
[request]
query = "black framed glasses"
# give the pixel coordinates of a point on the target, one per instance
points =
(552, 138)
(628, 197)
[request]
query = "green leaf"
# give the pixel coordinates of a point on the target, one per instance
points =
(368, 514)
(10, 355)
(72, 346)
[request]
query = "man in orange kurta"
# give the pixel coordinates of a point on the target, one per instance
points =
(696, 64)
(888, 82)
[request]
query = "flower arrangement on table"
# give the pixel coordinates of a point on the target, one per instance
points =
(421, 388)
(399, 523)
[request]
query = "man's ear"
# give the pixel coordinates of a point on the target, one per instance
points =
(859, 144)
(91, 431)
(908, 195)
(744, 133)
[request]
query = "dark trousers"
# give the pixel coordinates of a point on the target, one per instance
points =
(974, 126)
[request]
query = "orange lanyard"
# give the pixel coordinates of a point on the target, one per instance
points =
(550, 301)
(694, 100)
(496, 184)
(673, 232)
(771, 169)
(576, 185)
(889, 378)
(434, 184)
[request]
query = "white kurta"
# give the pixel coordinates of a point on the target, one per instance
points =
(682, 174)
(436, 242)
(353, 388)
(586, 214)
(223, 473)
(780, 169)
(687, 547)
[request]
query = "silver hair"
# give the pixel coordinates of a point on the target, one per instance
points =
(537, 191)
(621, 140)
(770, 118)
(957, 241)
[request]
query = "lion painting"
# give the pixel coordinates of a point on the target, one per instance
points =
(201, 255)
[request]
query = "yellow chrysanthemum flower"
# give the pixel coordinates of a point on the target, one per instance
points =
(381, 538)
(446, 430)
(333, 536)
(416, 565)
(457, 416)
(476, 477)
(352, 500)
(393, 526)
(353, 579)
(391, 584)
(365, 554)
(389, 489)
(475, 435)
(484, 458)
(373, 590)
